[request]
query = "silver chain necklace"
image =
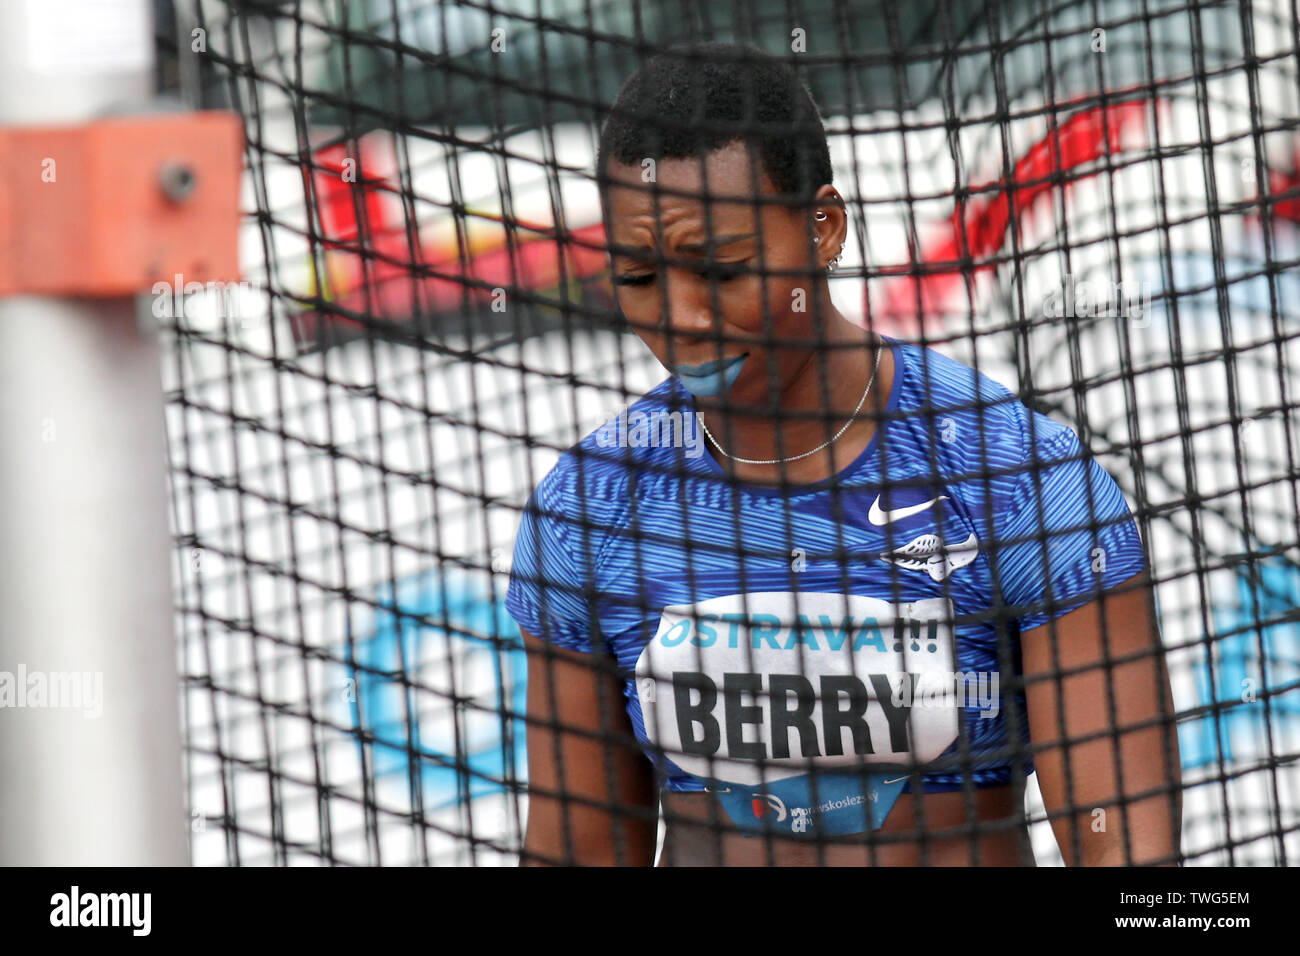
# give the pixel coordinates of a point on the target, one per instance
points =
(776, 461)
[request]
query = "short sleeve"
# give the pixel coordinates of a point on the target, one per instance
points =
(1067, 535)
(550, 581)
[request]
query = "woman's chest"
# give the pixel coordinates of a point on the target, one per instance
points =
(857, 572)
(823, 637)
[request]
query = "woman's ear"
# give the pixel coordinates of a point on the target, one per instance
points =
(830, 223)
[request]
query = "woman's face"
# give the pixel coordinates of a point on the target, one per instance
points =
(727, 262)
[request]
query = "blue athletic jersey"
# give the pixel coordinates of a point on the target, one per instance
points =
(782, 643)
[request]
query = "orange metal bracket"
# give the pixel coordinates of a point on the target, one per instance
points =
(110, 207)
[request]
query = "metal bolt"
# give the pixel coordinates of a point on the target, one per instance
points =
(177, 181)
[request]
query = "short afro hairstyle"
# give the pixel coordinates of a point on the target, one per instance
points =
(692, 99)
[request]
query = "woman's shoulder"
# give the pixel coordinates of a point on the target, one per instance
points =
(966, 418)
(596, 472)
(935, 381)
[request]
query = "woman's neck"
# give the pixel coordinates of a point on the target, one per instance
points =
(818, 400)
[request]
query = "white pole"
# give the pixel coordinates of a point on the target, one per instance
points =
(85, 579)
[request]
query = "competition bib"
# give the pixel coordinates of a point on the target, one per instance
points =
(787, 712)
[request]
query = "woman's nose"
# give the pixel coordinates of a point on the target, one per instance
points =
(689, 307)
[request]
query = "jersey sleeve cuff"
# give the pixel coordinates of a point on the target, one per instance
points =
(544, 628)
(1084, 582)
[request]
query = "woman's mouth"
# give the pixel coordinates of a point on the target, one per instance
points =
(711, 378)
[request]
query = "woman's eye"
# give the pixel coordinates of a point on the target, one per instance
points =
(725, 272)
(632, 279)
(720, 272)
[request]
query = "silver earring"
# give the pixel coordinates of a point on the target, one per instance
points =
(830, 266)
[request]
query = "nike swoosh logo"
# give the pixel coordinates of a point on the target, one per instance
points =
(878, 517)
(895, 780)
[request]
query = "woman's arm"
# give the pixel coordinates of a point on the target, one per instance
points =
(592, 798)
(1065, 675)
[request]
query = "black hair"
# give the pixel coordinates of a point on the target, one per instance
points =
(690, 100)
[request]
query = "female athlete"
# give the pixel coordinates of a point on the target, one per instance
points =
(881, 591)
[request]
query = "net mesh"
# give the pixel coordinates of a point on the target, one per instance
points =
(426, 324)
